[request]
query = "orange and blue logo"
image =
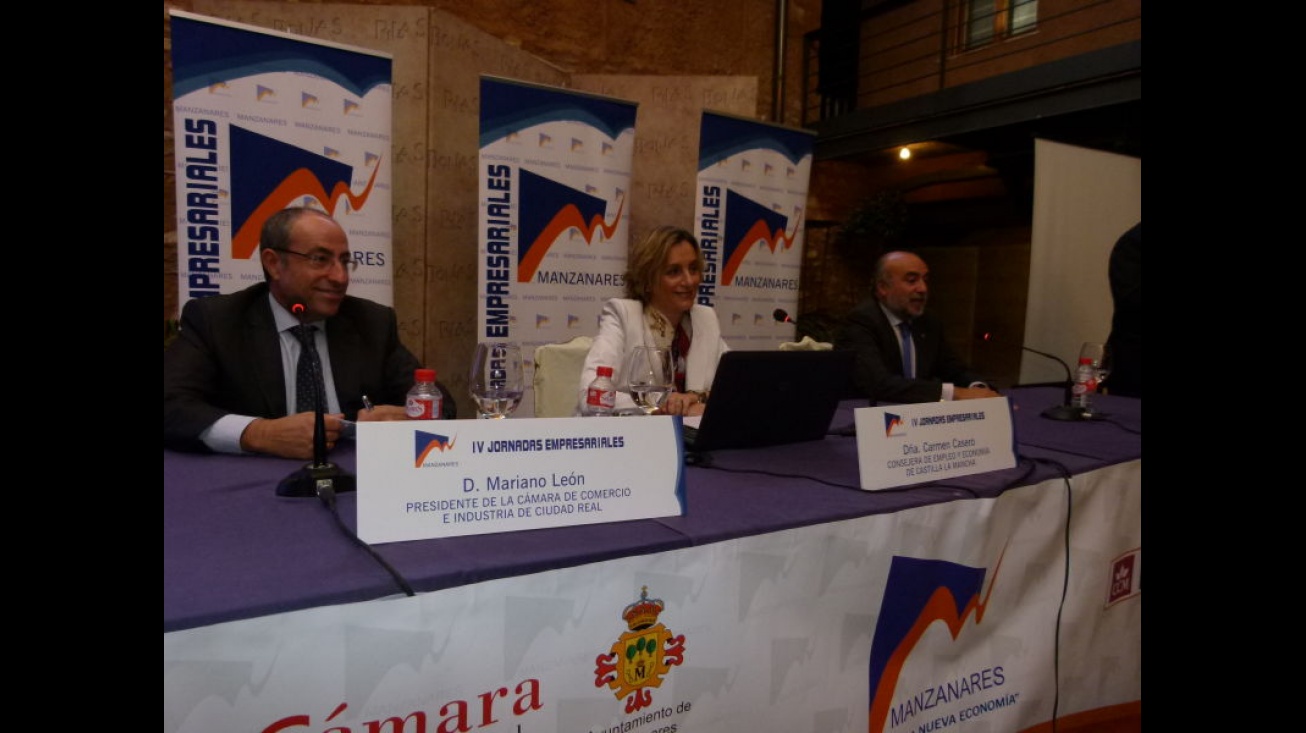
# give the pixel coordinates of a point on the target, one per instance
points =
(893, 425)
(549, 208)
(425, 443)
(268, 175)
(641, 656)
(918, 593)
(751, 223)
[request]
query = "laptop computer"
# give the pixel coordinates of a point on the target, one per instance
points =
(763, 398)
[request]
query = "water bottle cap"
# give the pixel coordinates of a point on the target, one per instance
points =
(605, 371)
(424, 375)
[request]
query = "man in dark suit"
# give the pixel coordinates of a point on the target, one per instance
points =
(228, 378)
(873, 330)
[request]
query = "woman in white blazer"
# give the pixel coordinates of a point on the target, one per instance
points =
(663, 272)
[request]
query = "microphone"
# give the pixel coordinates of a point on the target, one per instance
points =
(781, 316)
(1064, 411)
(321, 478)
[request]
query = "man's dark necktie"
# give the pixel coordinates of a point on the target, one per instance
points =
(907, 370)
(679, 353)
(308, 373)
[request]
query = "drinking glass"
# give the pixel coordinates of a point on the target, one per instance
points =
(647, 375)
(496, 380)
(1100, 355)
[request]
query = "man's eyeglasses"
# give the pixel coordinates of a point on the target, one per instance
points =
(319, 261)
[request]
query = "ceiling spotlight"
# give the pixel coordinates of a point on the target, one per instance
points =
(904, 153)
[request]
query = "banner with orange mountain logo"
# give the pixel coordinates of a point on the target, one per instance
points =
(554, 219)
(264, 120)
(750, 212)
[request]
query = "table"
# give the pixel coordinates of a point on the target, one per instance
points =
(240, 561)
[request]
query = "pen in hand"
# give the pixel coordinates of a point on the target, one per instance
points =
(348, 428)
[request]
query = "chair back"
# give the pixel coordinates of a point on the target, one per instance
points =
(557, 377)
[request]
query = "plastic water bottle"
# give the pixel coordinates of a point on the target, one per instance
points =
(601, 394)
(425, 400)
(1081, 394)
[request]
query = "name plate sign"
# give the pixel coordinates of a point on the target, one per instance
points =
(901, 445)
(420, 479)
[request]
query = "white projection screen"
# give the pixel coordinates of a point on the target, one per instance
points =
(1083, 201)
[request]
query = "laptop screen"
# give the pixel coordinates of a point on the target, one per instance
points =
(762, 398)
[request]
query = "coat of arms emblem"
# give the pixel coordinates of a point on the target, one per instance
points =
(642, 656)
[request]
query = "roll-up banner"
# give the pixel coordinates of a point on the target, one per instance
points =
(749, 215)
(264, 120)
(555, 180)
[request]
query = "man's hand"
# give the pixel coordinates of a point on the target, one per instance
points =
(290, 436)
(973, 393)
(382, 413)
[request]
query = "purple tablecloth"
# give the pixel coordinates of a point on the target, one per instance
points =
(232, 549)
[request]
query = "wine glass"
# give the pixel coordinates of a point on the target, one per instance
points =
(648, 377)
(1100, 356)
(496, 380)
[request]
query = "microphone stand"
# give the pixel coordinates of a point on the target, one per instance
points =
(320, 478)
(1064, 411)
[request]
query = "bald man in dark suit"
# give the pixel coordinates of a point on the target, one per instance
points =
(227, 376)
(873, 331)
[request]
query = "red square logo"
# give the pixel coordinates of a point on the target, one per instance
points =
(1125, 577)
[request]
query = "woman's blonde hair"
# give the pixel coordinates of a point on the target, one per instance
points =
(644, 263)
